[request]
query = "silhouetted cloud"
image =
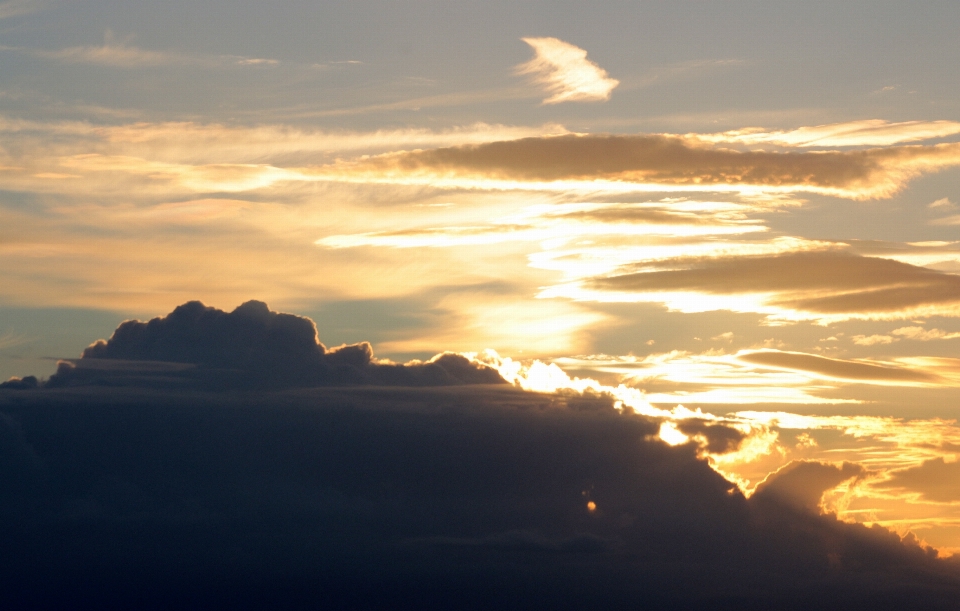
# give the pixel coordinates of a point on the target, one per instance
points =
(717, 438)
(251, 347)
(488, 497)
(24, 383)
(801, 483)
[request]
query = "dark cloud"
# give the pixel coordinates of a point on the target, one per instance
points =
(24, 383)
(718, 438)
(935, 480)
(802, 483)
(669, 160)
(830, 282)
(251, 347)
(835, 368)
(434, 498)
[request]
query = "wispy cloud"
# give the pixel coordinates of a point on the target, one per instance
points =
(117, 55)
(947, 220)
(915, 333)
(573, 221)
(870, 132)
(10, 339)
(827, 285)
(839, 369)
(924, 335)
(121, 54)
(14, 8)
(564, 71)
(872, 340)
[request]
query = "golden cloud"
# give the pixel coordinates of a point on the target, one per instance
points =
(828, 283)
(660, 160)
(870, 132)
(837, 368)
(935, 480)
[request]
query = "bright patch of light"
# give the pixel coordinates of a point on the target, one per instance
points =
(670, 434)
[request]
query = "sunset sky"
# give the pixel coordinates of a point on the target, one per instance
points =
(747, 208)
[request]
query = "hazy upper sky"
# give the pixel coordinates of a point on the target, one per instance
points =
(747, 207)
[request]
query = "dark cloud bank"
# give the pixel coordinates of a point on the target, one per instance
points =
(302, 492)
(250, 348)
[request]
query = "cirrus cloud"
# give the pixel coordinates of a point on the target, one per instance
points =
(564, 71)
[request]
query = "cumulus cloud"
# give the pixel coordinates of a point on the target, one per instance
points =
(564, 71)
(24, 383)
(368, 496)
(250, 347)
(802, 484)
(661, 160)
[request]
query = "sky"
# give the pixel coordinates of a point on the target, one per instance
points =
(734, 212)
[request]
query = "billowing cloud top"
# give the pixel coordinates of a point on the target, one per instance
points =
(249, 347)
(564, 71)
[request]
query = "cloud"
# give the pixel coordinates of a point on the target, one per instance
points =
(545, 222)
(947, 220)
(836, 368)
(870, 132)
(716, 438)
(15, 8)
(935, 480)
(802, 484)
(118, 56)
(250, 347)
(24, 383)
(657, 160)
(121, 54)
(824, 284)
(368, 496)
(923, 335)
(564, 71)
(198, 143)
(872, 340)
(935, 254)
(943, 202)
